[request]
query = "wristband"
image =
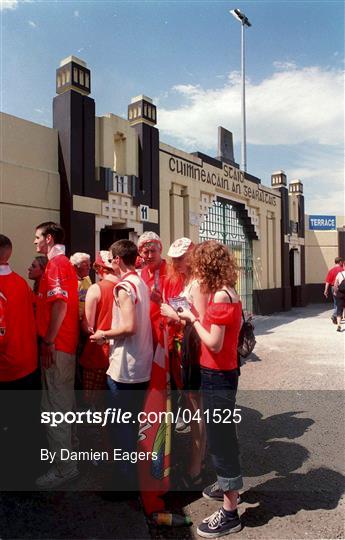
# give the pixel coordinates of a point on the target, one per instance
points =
(195, 320)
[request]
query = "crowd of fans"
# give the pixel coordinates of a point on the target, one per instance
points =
(145, 328)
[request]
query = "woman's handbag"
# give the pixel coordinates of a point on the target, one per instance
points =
(246, 338)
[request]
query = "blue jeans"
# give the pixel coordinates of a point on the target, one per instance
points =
(334, 303)
(219, 395)
(124, 436)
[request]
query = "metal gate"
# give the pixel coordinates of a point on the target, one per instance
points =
(224, 224)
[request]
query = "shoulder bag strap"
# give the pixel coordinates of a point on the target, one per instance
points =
(243, 317)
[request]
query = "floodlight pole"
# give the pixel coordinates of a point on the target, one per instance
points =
(243, 103)
(244, 22)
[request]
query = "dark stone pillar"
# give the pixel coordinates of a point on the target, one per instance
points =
(286, 288)
(341, 243)
(148, 194)
(74, 118)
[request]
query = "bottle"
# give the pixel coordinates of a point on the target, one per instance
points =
(170, 519)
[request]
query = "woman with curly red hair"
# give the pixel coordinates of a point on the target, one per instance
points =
(214, 266)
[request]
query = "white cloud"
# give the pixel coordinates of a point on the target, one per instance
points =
(32, 24)
(284, 65)
(13, 4)
(76, 13)
(301, 108)
(321, 170)
(330, 204)
(289, 107)
(8, 4)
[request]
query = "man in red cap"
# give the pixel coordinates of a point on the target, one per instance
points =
(154, 275)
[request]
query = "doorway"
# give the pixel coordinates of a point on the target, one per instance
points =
(108, 236)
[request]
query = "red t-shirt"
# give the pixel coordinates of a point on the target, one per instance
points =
(96, 356)
(332, 274)
(59, 282)
(18, 354)
(173, 287)
(228, 315)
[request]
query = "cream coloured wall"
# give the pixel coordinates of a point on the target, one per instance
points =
(116, 145)
(29, 184)
(185, 200)
(321, 248)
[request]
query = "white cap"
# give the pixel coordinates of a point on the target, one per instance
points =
(180, 247)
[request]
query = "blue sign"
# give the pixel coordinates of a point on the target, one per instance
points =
(322, 223)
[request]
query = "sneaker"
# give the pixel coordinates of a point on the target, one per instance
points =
(219, 524)
(181, 426)
(334, 319)
(338, 328)
(213, 492)
(52, 478)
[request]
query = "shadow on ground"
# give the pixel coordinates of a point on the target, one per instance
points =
(264, 324)
(285, 492)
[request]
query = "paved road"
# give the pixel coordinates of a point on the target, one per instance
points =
(292, 442)
(292, 432)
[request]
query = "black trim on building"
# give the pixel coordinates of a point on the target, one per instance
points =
(301, 218)
(314, 294)
(154, 227)
(285, 261)
(83, 233)
(252, 178)
(74, 118)
(243, 217)
(148, 193)
(341, 243)
(207, 159)
(303, 284)
(267, 301)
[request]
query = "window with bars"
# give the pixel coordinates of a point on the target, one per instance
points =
(224, 224)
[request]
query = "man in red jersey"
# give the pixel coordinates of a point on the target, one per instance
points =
(329, 283)
(154, 480)
(58, 327)
(154, 274)
(18, 367)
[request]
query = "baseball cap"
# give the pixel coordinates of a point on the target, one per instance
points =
(102, 259)
(180, 247)
(148, 237)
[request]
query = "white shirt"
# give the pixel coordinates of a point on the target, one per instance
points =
(338, 280)
(131, 356)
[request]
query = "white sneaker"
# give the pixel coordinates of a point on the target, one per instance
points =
(181, 426)
(52, 478)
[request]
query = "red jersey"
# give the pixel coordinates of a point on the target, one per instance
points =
(59, 282)
(332, 274)
(228, 315)
(18, 353)
(155, 283)
(97, 356)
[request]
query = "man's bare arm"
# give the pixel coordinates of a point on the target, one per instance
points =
(128, 326)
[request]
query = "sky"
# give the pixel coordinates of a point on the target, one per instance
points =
(185, 55)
